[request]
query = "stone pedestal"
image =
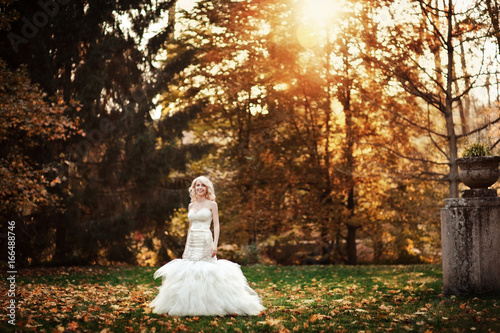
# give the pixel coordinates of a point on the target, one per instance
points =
(470, 233)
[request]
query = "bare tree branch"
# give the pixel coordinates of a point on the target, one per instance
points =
(398, 114)
(498, 141)
(430, 134)
(493, 12)
(426, 12)
(479, 128)
(395, 152)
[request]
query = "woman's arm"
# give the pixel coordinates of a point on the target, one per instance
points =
(187, 234)
(189, 209)
(215, 217)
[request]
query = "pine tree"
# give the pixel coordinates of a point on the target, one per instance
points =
(120, 171)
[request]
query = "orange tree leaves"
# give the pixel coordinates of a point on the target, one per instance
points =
(300, 167)
(29, 124)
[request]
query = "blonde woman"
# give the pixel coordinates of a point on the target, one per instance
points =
(199, 284)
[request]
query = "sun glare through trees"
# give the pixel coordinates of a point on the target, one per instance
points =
(314, 18)
(330, 128)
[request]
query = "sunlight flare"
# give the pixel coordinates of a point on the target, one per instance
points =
(313, 19)
(320, 11)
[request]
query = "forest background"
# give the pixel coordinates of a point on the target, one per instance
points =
(329, 128)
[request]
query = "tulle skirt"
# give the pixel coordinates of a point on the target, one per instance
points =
(204, 288)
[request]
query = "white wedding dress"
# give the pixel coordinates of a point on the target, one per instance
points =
(199, 285)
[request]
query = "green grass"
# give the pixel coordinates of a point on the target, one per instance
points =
(302, 299)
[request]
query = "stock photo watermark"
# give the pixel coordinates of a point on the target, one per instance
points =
(31, 27)
(11, 272)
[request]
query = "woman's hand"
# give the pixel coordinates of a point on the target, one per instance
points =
(214, 250)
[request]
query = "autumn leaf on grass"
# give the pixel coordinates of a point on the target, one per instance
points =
(318, 316)
(383, 307)
(182, 328)
(73, 326)
(272, 321)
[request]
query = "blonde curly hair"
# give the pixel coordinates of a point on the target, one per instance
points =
(210, 195)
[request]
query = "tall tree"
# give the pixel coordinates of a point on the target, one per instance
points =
(32, 131)
(437, 31)
(493, 12)
(119, 173)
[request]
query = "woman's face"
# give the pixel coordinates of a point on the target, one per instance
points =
(200, 189)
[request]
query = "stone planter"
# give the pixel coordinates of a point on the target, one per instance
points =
(479, 173)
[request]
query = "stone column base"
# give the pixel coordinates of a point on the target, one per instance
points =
(470, 234)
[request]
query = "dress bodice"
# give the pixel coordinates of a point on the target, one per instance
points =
(199, 240)
(200, 219)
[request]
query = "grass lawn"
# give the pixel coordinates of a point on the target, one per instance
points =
(298, 299)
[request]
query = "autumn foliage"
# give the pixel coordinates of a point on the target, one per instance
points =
(32, 131)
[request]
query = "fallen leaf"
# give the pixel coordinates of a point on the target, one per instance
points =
(272, 321)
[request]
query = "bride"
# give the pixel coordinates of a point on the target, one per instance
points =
(199, 284)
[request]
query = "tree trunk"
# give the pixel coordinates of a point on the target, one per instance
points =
(345, 98)
(448, 112)
(493, 12)
(465, 103)
(352, 255)
(61, 250)
(435, 45)
(67, 82)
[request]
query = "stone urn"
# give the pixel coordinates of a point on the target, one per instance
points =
(479, 173)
